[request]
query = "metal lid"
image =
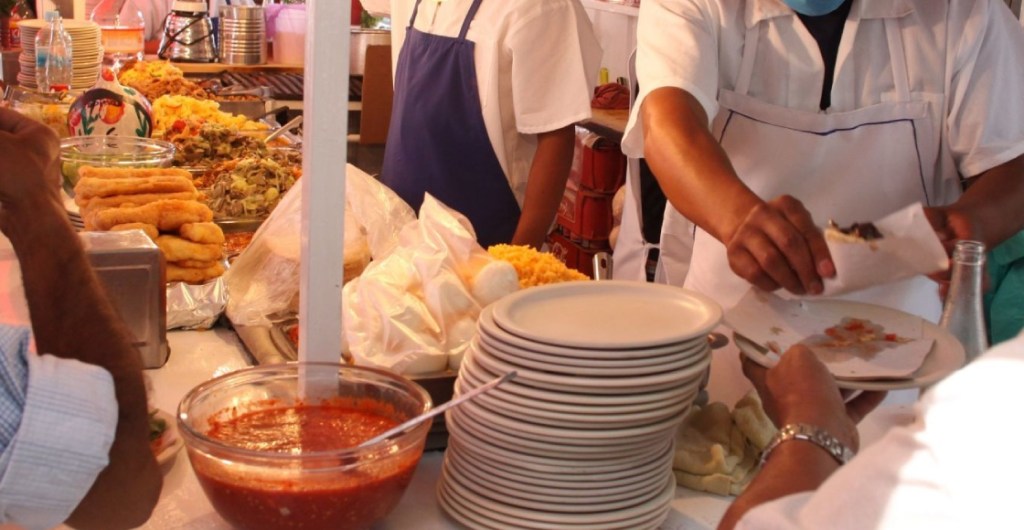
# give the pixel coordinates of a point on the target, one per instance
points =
(188, 6)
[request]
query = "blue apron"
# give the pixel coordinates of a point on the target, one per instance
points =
(437, 141)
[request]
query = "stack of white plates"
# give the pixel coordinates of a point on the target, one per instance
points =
(86, 53)
(583, 436)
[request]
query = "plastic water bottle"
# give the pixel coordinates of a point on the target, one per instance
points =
(963, 315)
(54, 69)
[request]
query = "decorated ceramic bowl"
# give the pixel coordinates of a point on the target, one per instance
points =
(110, 109)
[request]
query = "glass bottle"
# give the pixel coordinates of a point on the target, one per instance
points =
(963, 314)
(54, 69)
(123, 28)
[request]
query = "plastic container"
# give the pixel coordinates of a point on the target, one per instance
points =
(303, 477)
(290, 38)
(123, 30)
(54, 67)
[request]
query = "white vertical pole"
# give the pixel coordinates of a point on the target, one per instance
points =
(325, 133)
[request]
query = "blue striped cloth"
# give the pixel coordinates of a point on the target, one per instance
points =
(57, 422)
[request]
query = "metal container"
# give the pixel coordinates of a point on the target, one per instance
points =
(130, 268)
(188, 35)
(361, 38)
(243, 35)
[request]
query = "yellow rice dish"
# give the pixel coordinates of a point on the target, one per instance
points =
(182, 115)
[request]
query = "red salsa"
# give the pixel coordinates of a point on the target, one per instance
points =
(313, 495)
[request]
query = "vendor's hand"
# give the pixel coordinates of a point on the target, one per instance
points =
(951, 225)
(778, 245)
(30, 175)
(800, 389)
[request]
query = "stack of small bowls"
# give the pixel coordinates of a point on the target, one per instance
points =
(583, 436)
(243, 35)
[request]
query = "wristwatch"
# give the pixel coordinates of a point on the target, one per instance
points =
(809, 433)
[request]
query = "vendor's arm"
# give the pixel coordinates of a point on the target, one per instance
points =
(989, 210)
(545, 185)
(799, 390)
(72, 318)
(771, 243)
(551, 92)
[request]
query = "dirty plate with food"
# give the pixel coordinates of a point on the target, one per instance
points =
(864, 345)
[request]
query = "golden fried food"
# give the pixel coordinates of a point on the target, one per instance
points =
(167, 215)
(88, 188)
(178, 249)
(192, 274)
(137, 199)
(195, 263)
(202, 233)
(149, 229)
(130, 172)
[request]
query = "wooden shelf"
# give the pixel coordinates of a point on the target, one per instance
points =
(612, 7)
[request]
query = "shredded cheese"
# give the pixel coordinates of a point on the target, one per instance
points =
(534, 267)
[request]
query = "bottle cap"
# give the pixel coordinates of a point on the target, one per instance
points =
(187, 6)
(51, 16)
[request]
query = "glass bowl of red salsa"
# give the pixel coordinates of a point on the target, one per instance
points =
(270, 459)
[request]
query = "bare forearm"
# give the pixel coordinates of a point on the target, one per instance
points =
(691, 166)
(545, 186)
(794, 467)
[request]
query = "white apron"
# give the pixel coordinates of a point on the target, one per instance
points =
(847, 166)
(631, 249)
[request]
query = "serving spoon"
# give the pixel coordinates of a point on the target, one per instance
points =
(437, 410)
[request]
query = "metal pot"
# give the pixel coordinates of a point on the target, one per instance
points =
(361, 38)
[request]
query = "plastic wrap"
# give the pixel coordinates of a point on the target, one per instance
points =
(263, 283)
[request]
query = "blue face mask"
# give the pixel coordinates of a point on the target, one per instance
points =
(813, 8)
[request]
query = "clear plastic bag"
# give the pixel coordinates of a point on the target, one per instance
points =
(263, 283)
(415, 310)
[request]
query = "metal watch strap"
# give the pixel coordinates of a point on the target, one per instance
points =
(809, 433)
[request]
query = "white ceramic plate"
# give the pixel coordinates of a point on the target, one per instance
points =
(554, 465)
(577, 367)
(642, 399)
(607, 315)
(641, 511)
(552, 499)
(596, 385)
(946, 357)
(171, 441)
(488, 329)
(592, 358)
(587, 419)
(578, 436)
(597, 449)
(574, 485)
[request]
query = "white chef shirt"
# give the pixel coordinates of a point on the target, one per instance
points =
(57, 423)
(537, 63)
(964, 58)
(958, 466)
